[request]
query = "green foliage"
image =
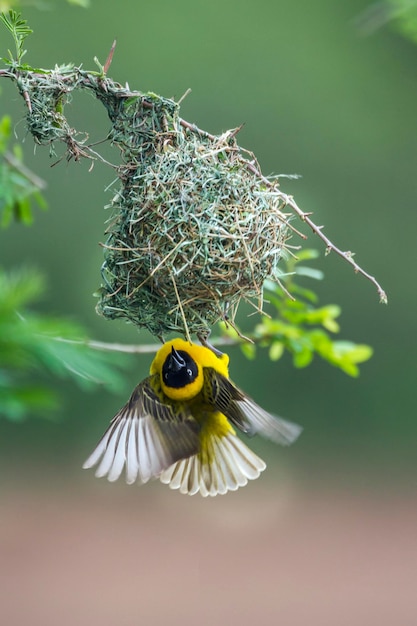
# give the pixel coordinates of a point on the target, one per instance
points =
(403, 15)
(19, 30)
(36, 349)
(300, 327)
(19, 187)
(33, 346)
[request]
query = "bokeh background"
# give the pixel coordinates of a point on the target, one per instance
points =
(327, 536)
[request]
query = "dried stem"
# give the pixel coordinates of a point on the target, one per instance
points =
(347, 256)
(109, 59)
(305, 217)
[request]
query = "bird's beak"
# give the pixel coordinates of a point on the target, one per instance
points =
(175, 361)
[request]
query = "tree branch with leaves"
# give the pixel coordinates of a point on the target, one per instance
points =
(293, 321)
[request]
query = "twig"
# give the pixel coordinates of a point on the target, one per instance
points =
(149, 348)
(347, 256)
(184, 95)
(111, 347)
(197, 130)
(109, 59)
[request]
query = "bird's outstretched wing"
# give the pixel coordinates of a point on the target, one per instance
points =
(146, 436)
(246, 415)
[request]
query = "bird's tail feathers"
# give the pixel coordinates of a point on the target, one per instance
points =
(224, 465)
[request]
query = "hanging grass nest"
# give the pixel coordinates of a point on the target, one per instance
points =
(195, 227)
(194, 230)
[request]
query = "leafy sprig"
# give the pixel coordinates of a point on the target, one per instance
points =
(33, 346)
(19, 30)
(20, 188)
(301, 327)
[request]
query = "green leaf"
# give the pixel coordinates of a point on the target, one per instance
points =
(304, 294)
(19, 187)
(344, 354)
(310, 272)
(249, 350)
(19, 288)
(33, 346)
(299, 326)
(306, 254)
(19, 30)
(303, 357)
(357, 353)
(276, 350)
(22, 212)
(5, 132)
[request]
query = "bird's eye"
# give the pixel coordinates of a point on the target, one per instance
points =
(189, 372)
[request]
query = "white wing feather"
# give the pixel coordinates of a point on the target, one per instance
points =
(275, 428)
(231, 465)
(133, 442)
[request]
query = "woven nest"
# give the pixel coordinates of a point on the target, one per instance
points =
(194, 228)
(193, 232)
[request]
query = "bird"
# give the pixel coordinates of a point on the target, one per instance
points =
(180, 425)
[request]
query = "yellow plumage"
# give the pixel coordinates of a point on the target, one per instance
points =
(178, 426)
(202, 356)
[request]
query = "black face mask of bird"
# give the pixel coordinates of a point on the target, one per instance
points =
(179, 369)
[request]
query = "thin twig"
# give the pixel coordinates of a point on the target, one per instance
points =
(109, 59)
(112, 347)
(149, 348)
(197, 130)
(184, 95)
(347, 256)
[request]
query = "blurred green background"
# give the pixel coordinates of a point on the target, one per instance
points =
(318, 97)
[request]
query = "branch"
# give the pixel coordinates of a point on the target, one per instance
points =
(74, 78)
(305, 217)
(136, 348)
(347, 256)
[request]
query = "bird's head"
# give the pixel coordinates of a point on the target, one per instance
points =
(179, 369)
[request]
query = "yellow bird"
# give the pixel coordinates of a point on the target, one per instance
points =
(178, 426)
